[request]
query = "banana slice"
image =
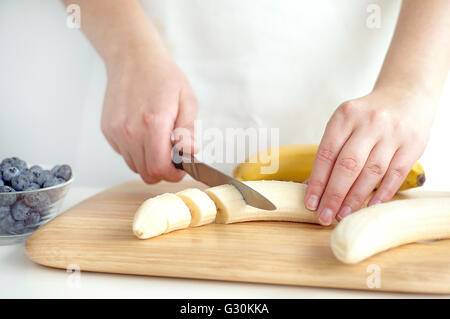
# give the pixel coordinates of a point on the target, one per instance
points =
(203, 210)
(287, 196)
(159, 215)
(380, 227)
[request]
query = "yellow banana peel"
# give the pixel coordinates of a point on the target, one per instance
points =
(295, 163)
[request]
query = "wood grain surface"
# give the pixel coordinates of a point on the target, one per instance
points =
(96, 235)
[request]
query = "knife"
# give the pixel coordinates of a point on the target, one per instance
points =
(213, 177)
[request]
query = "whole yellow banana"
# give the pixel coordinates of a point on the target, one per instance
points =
(295, 163)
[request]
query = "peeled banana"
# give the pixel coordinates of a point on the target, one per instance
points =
(202, 208)
(159, 215)
(380, 227)
(224, 204)
(357, 237)
(295, 163)
(286, 196)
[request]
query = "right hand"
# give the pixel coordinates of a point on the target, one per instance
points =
(147, 98)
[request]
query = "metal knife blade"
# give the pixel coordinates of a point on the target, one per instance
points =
(213, 177)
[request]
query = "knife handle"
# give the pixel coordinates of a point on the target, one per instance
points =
(177, 158)
(178, 165)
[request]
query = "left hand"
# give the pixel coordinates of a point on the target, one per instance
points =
(374, 138)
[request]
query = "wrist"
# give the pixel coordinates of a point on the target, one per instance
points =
(407, 84)
(134, 49)
(403, 101)
(408, 91)
(130, 52)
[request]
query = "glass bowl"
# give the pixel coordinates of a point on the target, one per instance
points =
(36, 206)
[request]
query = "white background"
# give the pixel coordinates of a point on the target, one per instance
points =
(51, 91)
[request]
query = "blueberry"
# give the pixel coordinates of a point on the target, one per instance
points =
(18, 228)
(52, 181)
(47, 212)
(32, 187)
(3, 169)
(54, 169)
(6, 189)
(10, 172)
(20, 164)
(32, 219)
(7, 196)
(22, 181)
(7, 223)
(41, 176)
(6, 162)
(20, 210)
(35, 168)
(4, 211)
(29, 174)
(26, 171)
(38, 200)
(64, 172)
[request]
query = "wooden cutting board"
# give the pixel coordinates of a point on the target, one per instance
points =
(96, 235)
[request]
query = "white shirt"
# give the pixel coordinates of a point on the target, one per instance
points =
(284, 64)
(269, 63)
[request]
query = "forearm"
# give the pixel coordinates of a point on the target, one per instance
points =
(419, 55)
(117, 29)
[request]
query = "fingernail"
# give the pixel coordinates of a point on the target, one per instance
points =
(325, 216)
(374, 203)
(345, 211)
(311, 202)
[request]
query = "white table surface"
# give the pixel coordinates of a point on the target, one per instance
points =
(21, 278)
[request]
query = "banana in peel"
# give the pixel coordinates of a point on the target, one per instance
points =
(295, 163)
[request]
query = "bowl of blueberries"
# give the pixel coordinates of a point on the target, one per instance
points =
(29, 197)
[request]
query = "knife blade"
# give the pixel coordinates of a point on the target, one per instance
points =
(213, 177)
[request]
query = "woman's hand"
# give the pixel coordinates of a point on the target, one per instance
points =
(373, 139)
(377, 138)
(147, 98)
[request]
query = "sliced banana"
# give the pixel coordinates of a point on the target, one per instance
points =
(202, 208)
(224, 204)
(357, 237)
(384, 226)
(159, 215)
